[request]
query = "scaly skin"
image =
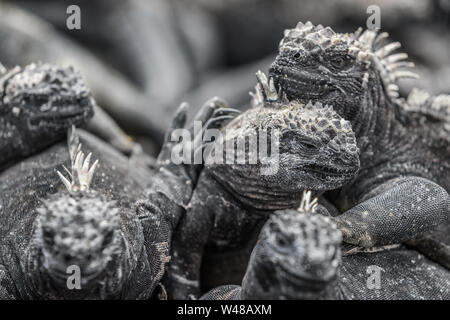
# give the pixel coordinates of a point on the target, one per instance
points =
(37, 106)
(317, 150)
(402, 187)
(97, 222)
(298, 256)
(47, 228)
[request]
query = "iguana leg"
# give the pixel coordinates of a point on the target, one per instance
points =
(176, 181)
(188, 244)
(394, 212)
(208, 203)
(172, 185)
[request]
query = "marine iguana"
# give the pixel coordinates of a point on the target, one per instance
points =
(402, 187)
(298, 256)
(231, 201)
(101, 224)
(37, 105)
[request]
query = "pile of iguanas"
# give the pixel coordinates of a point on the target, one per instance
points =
(362, 180)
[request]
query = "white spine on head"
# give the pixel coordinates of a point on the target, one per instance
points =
(2, 68)
(307, 204)
(5, 74)
(80, 175)
(265, 91)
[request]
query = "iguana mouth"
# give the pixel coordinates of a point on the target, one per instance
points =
(301, 84)
(85, 275)
(51, 119)
(325, 173)
(317, 168)
(328, 176)
(299, 277)
(303, 279)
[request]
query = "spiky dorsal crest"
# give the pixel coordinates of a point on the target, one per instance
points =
(265, 92)
(323, 37)
(293, 115)
(80, 175)
(2, 68)
(307, 204)
(391, 65)
(438, 107)
(367, 46)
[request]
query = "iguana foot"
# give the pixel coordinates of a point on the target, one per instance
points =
(401, 210)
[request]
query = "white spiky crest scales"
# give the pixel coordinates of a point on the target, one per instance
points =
(266, 95)
(80, 175)
(367, 46)
(2, 69)
(307, 204)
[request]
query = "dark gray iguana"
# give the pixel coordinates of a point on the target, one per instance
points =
(37, 105)
(46, 228)
(40, 102)
(231, 201)
(99, 223)
(298, 256)
(402, 187)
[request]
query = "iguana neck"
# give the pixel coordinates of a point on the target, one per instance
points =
(377, 122)
(251, 189)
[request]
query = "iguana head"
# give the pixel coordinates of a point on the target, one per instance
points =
(40, 102)
(315, 149)
(296, 257)
(82, 229)
(315, 63)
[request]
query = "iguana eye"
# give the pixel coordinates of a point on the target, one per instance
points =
(282, 242)
(339, 62)
(309, 146)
